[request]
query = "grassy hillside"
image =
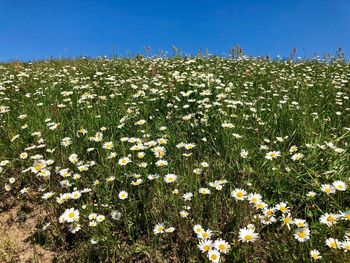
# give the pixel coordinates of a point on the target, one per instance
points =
(180, 159)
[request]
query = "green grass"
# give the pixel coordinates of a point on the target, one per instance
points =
(277, 104)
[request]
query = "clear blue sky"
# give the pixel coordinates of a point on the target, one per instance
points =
(39, 29)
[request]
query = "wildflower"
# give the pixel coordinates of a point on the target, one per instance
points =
(74, 228)
(92, 216)
(66, 141)
(197, 171)
(339, 185)
(184, 214)
(327, 188)
(287, 220)
(124, 161)
(170, 230)
(315, 254)
(12, 180)
(311, 194)
(222, 246)
(23, 155)
(159, 151)
(272, 155)
(162, 163)
(205, 245)
(239, 194)
(48, 195)
(123, 195)
(254, 198)
(293, 149)
(100, 218)
(113, 155)
(69, 216)
(302, 234)
(227, 125)
(187, 196)
(282, 207)
(345, 245)
(170, 178)
(244, 153)
(247, 235)
(332, 243)
(297, 157)
(204, 164)
(300, 223)
(260, 205)
(214, 255)
(73, 158)
(158, 229)
(198, 229)
(189, 146)
(205, 234)
(328, 219)
(204, 191)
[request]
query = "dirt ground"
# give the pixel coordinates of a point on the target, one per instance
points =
(16, 231)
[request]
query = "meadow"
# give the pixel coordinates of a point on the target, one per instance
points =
(179, 159)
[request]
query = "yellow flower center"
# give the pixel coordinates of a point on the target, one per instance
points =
(301, 234)
(286, 220)
(222, 247)
(71, 214)
(330, 218)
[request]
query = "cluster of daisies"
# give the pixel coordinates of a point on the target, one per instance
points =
(182, 136)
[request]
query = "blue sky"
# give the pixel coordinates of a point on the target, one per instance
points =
(40, 29)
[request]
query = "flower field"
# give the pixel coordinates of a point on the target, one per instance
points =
(204, 159)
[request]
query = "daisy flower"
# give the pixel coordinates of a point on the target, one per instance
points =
(272, 155)
(332, 243)
(170, 178)
(302, 234)
(239, 194)
(297, 157)
(158, 229)
(198, 229)
(205, 245)
(123, 195)
(329, 219)
(124, 161)
(339, 185)
(247, 235)
(327, 188)
(315, 254)
(205, 234)
(70, 215)
(214, 255)
(222, 246)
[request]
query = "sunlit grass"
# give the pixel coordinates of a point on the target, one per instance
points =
(182, 159)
